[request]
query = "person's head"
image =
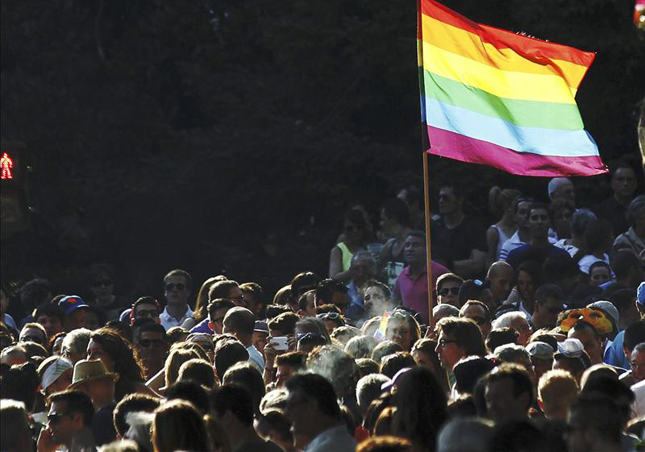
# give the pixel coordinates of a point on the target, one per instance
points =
(330, 291)
(287, 365)
(177, 287)
(562, 188)
(461, 434)
(217, 310)
(307, 304)
(529, 276)
(190, 391)
(232, 405)
(283, 325)
(254, 298)
(35, 293)
(634, 335)
(13, 355)
(637, 361)
(448, 286)
(502, 202)
(441, 311)
(420, 406)
(20, 382)
(337, 367)
(300, 284)
(227, 289)
(178, 426)
(355, 227)
(623, 180)
(521, 212)
(227, 353)
(74, 345)
(500, 277)
(92, 378)
(395, 215)
(477, 312)
(151, 343)
(414, 249)
(368, 388)
(393, 363)
(145, 308)
(202, 300)
(116, 353)
(51, 317)
(451, 199)
(362, 268)
(101, 281)
(458, 338)
(361, 346)
(33, 332)
(635, 213)
(239, 322)
(403, 329)
(560, 213)
(312, 325)
(76, 312)
(132, 403)
(627, 268)
(572, 357)
(311, 399)
(69, 412)
(376, 297)
(55, 374)
(539, 222)
(594, 424)
(557, 390)
(548, 304)
(468, 371)
(519, 322)
(598, 237)
(198, 370)
(599, 273)
(248, 376)
(513, 353)
(591, 340)
(15, 431)
(509, 393)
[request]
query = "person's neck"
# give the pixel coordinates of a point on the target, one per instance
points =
(240, 434)
(622, 200)
(524, 234)
(507, 222)
(453, 219)
(323, 425)
(177, 311)
(244, 339)
(104, 301)
(417, 269)
(540, 242)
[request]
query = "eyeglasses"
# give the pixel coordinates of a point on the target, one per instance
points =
(178, 286)
(308, 336)
(54, 418)
(443, 342)
(146, 343)
(102, 283)
(449, 290)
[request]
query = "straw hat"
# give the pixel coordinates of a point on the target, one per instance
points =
(90, 370)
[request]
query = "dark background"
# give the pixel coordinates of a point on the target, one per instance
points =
(230, 136)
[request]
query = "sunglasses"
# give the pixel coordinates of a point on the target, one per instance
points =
(147, 313)
(147, 343)
(103, 283)
(328, 315)
(179, 287)
(451, 290)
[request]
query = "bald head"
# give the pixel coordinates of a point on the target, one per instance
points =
(500, 275)
(562, 188)
(240, 322)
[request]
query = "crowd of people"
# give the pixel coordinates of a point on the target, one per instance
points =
(531, 338)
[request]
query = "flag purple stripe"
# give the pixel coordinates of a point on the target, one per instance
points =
(460, 147)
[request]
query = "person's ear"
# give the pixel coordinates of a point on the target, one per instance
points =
(541, 404)
(211, 325)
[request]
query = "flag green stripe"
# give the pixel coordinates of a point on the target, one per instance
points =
(525, 113)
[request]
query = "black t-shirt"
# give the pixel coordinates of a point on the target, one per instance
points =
(449, 245)
(103, 425)
(614, 213)
(530, 253)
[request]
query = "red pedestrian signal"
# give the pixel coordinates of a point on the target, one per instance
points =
(6, 163)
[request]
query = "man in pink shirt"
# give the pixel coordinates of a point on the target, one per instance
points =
(411, 286)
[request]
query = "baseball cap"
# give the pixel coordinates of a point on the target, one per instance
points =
(540, 350)
(71, 303)
(609, 308)
(640, 294)
(261, 327)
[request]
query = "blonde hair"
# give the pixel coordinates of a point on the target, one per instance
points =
(557, 389)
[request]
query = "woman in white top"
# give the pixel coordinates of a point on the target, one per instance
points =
(501, 203)
(598, 240)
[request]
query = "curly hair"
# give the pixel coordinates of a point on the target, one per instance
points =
(125, 358)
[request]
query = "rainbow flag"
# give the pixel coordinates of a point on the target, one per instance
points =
(496, 98)
(380, 333)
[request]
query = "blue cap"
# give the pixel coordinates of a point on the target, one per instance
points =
(71, 303)
(640, 294)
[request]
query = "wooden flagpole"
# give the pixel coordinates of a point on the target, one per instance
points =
(426, 191)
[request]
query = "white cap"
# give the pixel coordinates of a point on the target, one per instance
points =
(54, 371)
